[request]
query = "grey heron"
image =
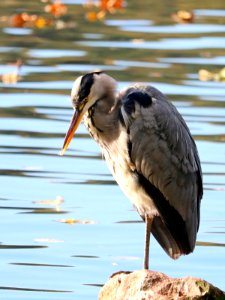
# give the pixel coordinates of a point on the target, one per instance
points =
(150, 152)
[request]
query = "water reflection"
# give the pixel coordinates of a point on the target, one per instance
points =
(208, 244)
(177, 29)
(2, 246)
(54, 53)
(217, 60)
(17, 31)
(40, 265)
(32, 290)
(85, 256)
(37, 249)
(162, 44)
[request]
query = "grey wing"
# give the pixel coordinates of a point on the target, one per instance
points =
(166, 159)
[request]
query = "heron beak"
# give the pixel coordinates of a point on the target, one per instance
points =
(76, 119)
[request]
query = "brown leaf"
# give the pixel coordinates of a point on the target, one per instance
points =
(91, 16)
(17, 20)
(57, 8)
(110, 5)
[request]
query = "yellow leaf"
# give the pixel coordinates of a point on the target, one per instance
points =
(40, 22)
(74, 221)
(205, 75)
(10, 78)
(183, 16)
(221, 74)
(101, 15)
(59, 200)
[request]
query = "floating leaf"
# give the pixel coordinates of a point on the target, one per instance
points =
(111, 5)
(101, 15)
(87, 222)
(18, 20)
(221, 75)
(74, 221)
(13, 77)
(59, 24)
(57, 8)
(137, 41)
(117, 4)
(104, 6)
(57, 201)
(10, 78)
(70, 221)
(4, 18)
(205, 75)
(93, 16)
(23, 19)
(183, 16)
(41, 22)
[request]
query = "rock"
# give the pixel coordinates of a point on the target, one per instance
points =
(146, 285)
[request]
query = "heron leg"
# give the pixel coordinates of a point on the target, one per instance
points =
(148, 222)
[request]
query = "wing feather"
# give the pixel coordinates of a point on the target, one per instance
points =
(164, 152)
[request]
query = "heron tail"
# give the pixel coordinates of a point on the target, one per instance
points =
(173, 247)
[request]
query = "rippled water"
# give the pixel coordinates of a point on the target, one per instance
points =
(65, 225)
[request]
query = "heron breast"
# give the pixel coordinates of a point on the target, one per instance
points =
(123, 172)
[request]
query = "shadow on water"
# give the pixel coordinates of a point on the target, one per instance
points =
(21, 246)
(32, 290)
(75, 255)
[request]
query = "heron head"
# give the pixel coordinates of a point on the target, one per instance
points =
(86, 91)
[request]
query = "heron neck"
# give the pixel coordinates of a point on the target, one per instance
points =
(102, 119)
